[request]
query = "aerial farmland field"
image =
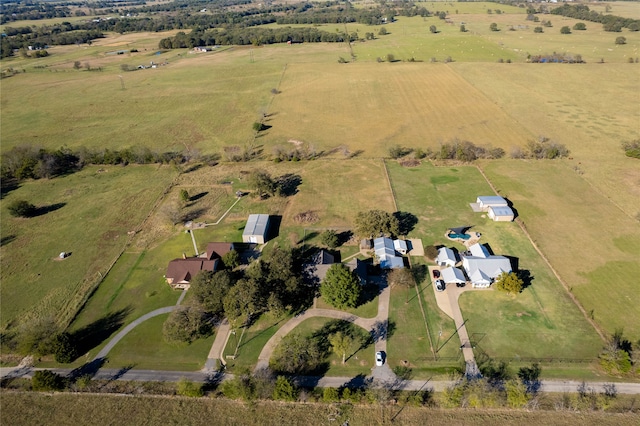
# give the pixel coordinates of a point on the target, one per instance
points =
(349, 103)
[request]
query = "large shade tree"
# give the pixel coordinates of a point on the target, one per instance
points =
(373, 223)
(341, 288)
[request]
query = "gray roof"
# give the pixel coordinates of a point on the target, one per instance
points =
(452, 275)
(501, 210)
(491, 266)
(257, 224)
(383, 246)
(492, 200)
(444, 254)
(478, 250)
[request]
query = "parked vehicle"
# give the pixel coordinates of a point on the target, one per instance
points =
(436, 273)
(379, 359)
(440, 285)
(460, 284)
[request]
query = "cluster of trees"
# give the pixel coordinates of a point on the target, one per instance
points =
(499, 387)
(375, 223)
(465, 151)
(254, 36)
(28, 162)
(32, 11)
(271, 284)
(555, 57)
(47, 35)
(307, 353)
(543, 148)
(620, 356)
(609, 22)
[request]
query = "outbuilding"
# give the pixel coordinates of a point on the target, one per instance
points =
(500, 214)
(452, 275)
(446, 257)
(256, 229)
(486, 201)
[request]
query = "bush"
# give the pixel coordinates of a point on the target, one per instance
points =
(538, 30)
(285, 390)
(330, 395)
(431, 252)
(188, 388)
(621, 40)
(21, 208)
(64, 350)
(47, 380)
(565, 30)
(493, 27)
(632, 149)
(580, 26)
(397, 151)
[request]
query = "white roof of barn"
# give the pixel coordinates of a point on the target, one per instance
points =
(257, 224)
(452, 275)
(491, 200)
(501, 211)
(478, 250)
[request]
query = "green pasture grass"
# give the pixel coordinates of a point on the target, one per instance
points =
(251, 343)
(589, 108)
(408, 344)
(43, 22)
(374, 106)
(137, 285)
(455, 8)
(144, 348)
(590, 242)
(25, 408)
(360, 361)
(99, 208)
(594, 44)
(541, 321)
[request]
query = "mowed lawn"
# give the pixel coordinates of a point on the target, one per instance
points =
(91, 213)
(368, 107)
(592, 244)
(542, 321)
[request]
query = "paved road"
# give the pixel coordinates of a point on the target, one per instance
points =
(200, 376)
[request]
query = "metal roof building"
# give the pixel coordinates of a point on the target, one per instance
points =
(256, 229)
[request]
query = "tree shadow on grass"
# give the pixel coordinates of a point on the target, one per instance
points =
(6, 239)
(198, 196)
(407, 221)
(92, 335)
(288, 184)
(40, 211)
(369, 293)
(526, 278)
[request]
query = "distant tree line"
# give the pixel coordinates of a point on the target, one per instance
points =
(34, 11)
(229, 22)
(28, 162)
(609, 22)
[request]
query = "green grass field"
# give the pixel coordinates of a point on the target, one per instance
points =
(541, 321)
(94, 211)
(596, 255)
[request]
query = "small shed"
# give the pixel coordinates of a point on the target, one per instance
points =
(486, 201)
(256, 229)
(500, 214)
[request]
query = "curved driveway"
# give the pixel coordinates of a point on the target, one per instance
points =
(377, 326)
(103, 353)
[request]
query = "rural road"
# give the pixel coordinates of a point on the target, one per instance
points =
(558, 386)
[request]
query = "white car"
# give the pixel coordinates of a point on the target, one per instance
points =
(379, 359)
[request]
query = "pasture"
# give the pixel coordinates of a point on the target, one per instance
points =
(87, 214)
(591, 243)
(540, 322)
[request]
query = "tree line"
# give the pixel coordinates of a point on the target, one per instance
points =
(609, 22)
(28, 162)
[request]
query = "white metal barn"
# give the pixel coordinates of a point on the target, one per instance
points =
(486, 201)
(256, 229)
(500, 214)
